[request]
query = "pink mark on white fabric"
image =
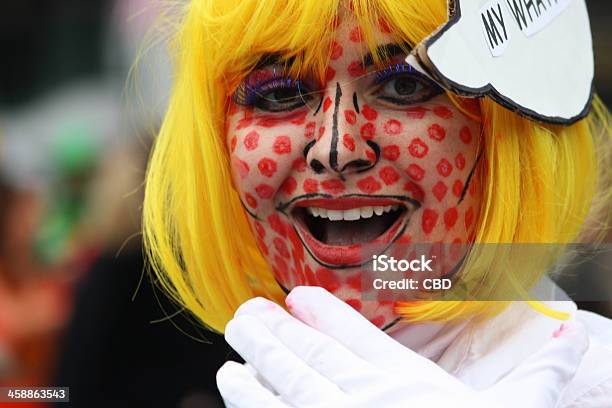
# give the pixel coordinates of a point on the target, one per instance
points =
(304, 315)
(559, 332)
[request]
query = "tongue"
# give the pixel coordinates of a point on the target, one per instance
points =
(344, 233)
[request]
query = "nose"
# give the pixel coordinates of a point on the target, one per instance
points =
(339, 148)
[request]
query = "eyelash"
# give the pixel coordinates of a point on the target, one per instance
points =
(252, 89)
(392, 70)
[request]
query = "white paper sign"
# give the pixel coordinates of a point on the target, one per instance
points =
(494, 21)
(533, 15)
(532, 56)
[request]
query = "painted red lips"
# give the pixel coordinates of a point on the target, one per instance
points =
(347, 231)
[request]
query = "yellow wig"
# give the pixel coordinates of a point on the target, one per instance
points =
(540, 183)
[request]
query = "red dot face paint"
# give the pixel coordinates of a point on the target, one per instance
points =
(267, 167)
(350, 116)
(391, 152)
(289, 185)
(443, 112)
(439, 190)
(348, 142)
(415, 172)
(444, 167)
(333, 186)
(336, 51)
(356, 69)
(355, 145)
(251, 140)
(418, 148)
(466, 135)
(389, 175)
(356, 35)
(264, 190)
(369, 185)
(311, 186)
(369, 113)
(326, 104)
(310, 130)
(282, 145)
(368, 131)
(393, 127)
(436, 132)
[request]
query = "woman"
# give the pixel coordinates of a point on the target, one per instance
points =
(297, 144)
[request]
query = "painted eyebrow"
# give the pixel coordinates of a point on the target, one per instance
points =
(387, 51)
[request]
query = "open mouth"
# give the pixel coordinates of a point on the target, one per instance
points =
(347, 227)
(337, 231)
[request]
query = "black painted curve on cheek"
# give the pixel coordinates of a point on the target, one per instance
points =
(468, 181)
(355, 102)
(391, 324)
(251, 214)
(308, 147)
(333, 151)
(318, 107)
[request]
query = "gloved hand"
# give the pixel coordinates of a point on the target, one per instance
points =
(325, 354)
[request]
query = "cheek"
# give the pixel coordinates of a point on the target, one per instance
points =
(430, 150)
(264, 152)
(441, 164)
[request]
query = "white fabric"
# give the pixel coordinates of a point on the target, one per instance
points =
(326, 354)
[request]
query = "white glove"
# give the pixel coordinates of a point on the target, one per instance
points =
(333, 357)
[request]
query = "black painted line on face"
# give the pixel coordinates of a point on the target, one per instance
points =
(318, 107)
(333, 150)
(376, 149)
(469, 179)
(283, 206)
(391, 324)
(361, 164)
(283, 288)
(415, 203)
(355, 102)
(251, 214)
(308, 147)
(317, 166)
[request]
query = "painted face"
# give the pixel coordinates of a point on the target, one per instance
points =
(372, 156)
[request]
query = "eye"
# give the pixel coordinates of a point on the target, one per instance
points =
(281, 98)
(271, 93)
(404, 86)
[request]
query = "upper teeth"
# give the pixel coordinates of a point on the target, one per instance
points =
(352, 214)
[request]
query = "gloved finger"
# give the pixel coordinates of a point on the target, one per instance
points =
(297, 383)
(324, 312)
(240, 389)
(259, 378)
(324, 354)
(541, 379)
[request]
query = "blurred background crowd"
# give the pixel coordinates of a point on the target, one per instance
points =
(76, 306)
